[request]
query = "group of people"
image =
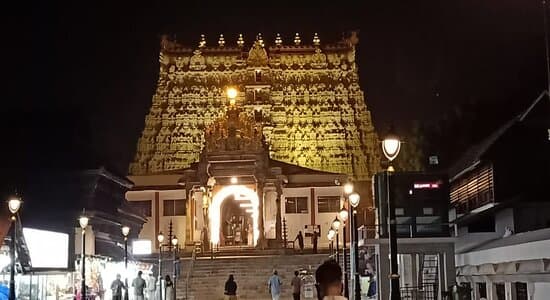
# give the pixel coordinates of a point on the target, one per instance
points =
(300, 239)
(142, 287)
(328, 279)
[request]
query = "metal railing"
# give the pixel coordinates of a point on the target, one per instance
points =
(422, 292)
(409, 230)
(189, 271)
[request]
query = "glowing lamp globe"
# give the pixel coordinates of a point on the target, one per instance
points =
(83, 220)
(391, 146)
(160, 237)
(14, 204)
(336, 224)
(174, 241)
(348, 188)
(332, 233)
(125, 230)
(343, 214)
(354, 199)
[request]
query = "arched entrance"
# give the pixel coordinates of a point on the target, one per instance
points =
(239, 192)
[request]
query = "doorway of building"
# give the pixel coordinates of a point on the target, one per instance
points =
(233, 216)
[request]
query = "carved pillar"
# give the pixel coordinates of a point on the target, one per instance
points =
(261, 239)
(278, 221)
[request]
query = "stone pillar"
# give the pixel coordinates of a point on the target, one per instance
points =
(510, 291)
(261, 239)
(278, 219)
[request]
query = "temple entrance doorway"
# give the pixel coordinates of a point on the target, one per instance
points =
(233, 217)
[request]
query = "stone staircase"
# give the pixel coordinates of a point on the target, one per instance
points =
(251, 273)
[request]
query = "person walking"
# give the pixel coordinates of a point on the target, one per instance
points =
(300, 239)
(151, 286)
(230, 291)
(139, 285)
(169, 288)
(116, 288)
(329, 281)
(274, 286)
(296, 285)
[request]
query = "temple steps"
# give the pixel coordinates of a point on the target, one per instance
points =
(251, 273)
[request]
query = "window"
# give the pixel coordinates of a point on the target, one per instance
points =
(296, 205)
(482, 289)
(500, 291)
(174, 207)
(258, 76)
(521, 290)
(428, 211)
(142, 206)
(328, 204)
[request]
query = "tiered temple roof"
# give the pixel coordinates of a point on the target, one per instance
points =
(306, 96)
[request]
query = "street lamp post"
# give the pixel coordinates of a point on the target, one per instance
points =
(343, 214)
(391, 146)
(354, 200)
(13, 204)
(330, 235)
(336, 225)
(83, 221)
(175, 245)
(125, 232)
(160, 239)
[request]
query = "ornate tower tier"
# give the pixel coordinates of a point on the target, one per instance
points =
(305, 97)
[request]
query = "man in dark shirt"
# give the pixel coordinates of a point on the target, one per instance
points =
(116, 288)
(296, 285)
(139, 286)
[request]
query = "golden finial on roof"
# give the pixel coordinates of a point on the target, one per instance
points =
(278, 40)
(202, 42)
(297, 39)
(221, 41)
(260, 39)
(240, 40)
(316, 40)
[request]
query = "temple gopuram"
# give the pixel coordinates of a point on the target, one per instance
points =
(274, 130)
(306, 96)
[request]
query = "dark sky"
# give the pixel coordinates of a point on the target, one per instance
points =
(84, 75)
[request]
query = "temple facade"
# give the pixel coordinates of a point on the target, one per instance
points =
(273, 129)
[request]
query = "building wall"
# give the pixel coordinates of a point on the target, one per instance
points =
(297, 222)
(158, 222)
(541, 291)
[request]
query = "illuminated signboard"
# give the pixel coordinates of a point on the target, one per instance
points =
(426, 185)
(47, 249)
(141, 247)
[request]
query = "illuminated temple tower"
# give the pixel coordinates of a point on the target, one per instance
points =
(278, 146)
(306, 96)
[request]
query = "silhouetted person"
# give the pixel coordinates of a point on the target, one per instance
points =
(300, 239)
(116, 288)
(139, 286)
(230, 288)
(329, 281)
(296, 285)
(314, 240)
(169, 288)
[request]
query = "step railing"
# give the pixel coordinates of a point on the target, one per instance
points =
(189, 271)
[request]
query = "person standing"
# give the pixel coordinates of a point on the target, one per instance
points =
(314, 241)
(139, 285)
(274, 286)
(151, 286)
(296, 285)
(116, 288)
(230, 288)
(300, 239)
(169, 292)
(329, 281)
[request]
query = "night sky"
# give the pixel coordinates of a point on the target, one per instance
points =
(82, 77)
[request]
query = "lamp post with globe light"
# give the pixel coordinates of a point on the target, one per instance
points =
(354, 200)
(175, 245)
(83, 221)
(391, 146)
(343, 215)
(13, 205)
(330, 236)
(160, 239)
(336, 225)
(125, 231)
